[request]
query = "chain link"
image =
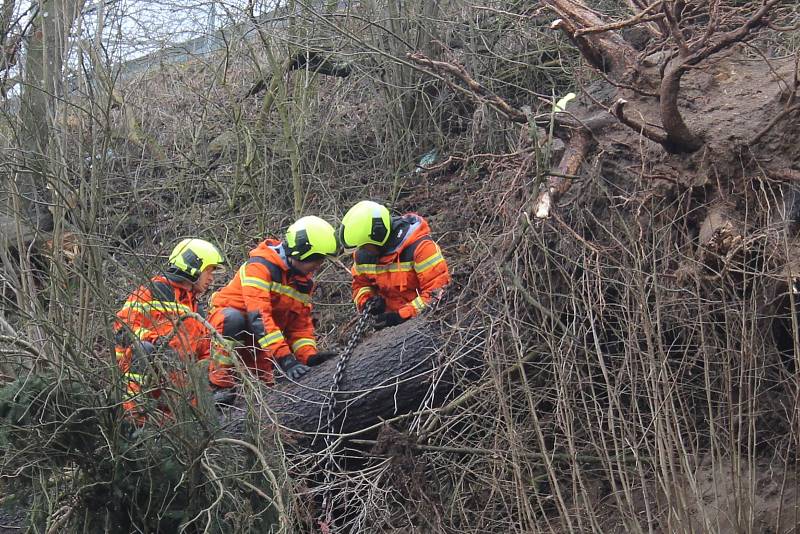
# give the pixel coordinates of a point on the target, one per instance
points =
(364, 321)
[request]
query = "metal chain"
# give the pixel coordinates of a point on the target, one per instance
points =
(364, 321)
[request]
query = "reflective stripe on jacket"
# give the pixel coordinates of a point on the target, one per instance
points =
(280, 298)
(153, 311)
(407, 276)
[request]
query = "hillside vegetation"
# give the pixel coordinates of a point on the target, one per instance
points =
(617, 351)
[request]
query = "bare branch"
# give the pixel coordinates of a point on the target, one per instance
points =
(588, 50)
(484, 94)
(674, 30)
(619, 112)
(680, 138)
(605, 51)
(558, 184)
(633, 21)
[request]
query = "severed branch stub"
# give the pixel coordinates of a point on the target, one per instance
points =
(558, 182)
(588, 50)
(474, 87)
(605, 50)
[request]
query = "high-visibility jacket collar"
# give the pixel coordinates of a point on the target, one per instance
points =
(405, 230)
(272, 250)
(280, 250)
(183, 290)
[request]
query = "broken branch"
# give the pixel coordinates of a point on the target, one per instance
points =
(606, 51)
(476, 88)
(639, 18)
(558, 184)
(618, 110)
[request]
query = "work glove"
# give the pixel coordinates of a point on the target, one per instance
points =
(388, 319)
(377, 303)
(321, 357)
(291, 367)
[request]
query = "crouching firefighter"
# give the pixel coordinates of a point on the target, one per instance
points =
(153, 331)
(266, 308)
(397, 266)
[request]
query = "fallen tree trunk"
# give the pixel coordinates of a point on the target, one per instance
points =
(387, 375)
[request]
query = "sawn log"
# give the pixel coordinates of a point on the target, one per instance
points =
(388, 374)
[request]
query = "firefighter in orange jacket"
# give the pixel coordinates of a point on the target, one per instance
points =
(152, 322)
(397, 266)
(267, 305)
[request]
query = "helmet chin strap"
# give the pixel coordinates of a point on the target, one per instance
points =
(176, 275)
(290, 261)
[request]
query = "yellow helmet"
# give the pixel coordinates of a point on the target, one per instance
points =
(366, 222)
(190, 257)
(310, 236)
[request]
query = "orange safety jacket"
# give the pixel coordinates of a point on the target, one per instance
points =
(280, 300)
(407, 275)
(153, 311)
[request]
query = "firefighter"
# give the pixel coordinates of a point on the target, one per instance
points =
(397, 266)
(152, 324)
(267, 305)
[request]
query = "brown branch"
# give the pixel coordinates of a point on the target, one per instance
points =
(783, 175)
(674, 30)
(558, 182)
(618, 110)
(629, 87)
(679, 138)
(713, 12)
(786, 111)
(633, 21)
(636, 4)
(660, 29)
(773, 26)
(732, 37)
(476, 88)
(606, 51)
(497, 453)
(587, 49)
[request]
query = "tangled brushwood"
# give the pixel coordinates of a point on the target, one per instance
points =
(617, 351)
(76, 461)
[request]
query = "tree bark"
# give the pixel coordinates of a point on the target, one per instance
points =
(606, 51)
(388, 374)
(46, 50)
(679, 139)
(559, 183)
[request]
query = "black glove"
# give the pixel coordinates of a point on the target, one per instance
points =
(377, 303)
(388, 319)
(291, 367)
(321, 357)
